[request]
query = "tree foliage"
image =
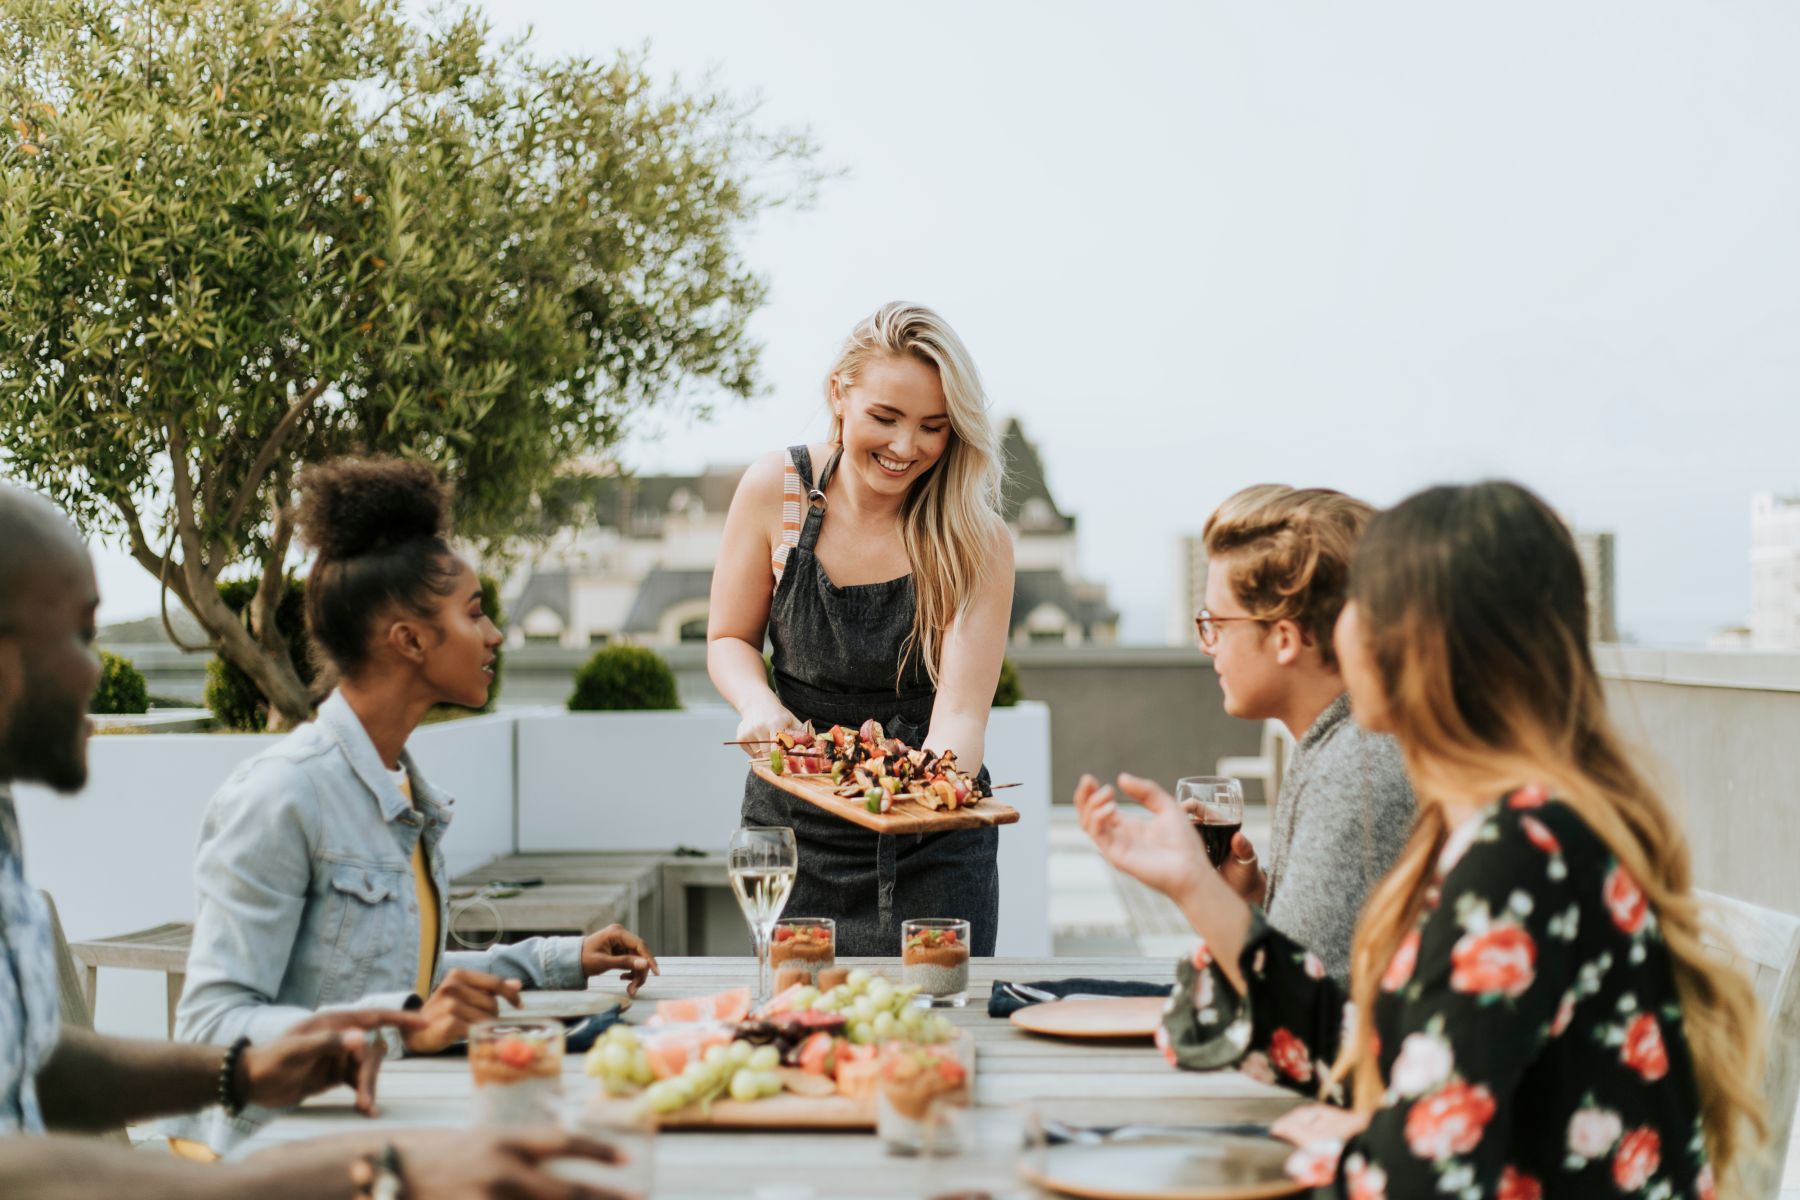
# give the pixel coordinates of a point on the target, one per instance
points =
(241, 235)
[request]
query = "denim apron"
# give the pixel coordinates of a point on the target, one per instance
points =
(837, 662)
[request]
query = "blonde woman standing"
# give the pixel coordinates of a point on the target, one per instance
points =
(880, 569)
(1531, 1013)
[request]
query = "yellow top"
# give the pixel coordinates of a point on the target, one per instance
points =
(428, 903)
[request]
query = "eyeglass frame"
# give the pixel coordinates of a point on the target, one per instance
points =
(1205, 618)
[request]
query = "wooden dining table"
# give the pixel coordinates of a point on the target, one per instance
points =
(1017, 1076)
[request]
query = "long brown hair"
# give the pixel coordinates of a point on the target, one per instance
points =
(1474, 612)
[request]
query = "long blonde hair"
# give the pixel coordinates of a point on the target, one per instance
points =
(949, 516)
(1476, 619)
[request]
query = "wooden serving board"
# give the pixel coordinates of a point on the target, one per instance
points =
(907, 816)
(786, 1111)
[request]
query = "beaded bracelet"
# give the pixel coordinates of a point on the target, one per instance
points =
(228, 1091)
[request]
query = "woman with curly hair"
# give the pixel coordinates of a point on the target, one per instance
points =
(321, 874)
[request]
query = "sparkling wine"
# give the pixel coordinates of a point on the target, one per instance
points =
(762, 893)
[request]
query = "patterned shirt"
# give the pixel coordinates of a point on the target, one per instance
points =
(1528, 1030)
(28, 1000)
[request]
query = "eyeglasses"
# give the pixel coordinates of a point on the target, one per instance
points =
(1208, 627)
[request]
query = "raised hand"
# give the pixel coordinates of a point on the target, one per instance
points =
(443, 1164)
(461, 999)
(616, 948)
(1161, 852)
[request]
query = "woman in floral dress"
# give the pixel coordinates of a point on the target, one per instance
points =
(1531, 1012)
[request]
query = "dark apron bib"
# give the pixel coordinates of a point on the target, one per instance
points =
(837, 662)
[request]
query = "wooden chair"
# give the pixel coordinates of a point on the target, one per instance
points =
(1766, 945)
(72, 998)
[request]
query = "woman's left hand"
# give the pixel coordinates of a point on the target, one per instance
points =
(1312, 1123)
(1161, 852)
(616, 948)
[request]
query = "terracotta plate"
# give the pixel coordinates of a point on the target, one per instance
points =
(1120, 1017)
(1217, 1167)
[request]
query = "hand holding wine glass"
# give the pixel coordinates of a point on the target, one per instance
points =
(762, 863)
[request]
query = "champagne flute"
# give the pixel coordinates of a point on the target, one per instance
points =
(762, 863)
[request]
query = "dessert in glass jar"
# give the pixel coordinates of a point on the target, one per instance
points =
(924, 1097)
(517, 1067)
(800, 948)
(934, 956)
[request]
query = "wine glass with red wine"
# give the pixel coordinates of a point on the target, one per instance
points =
(1215, 804)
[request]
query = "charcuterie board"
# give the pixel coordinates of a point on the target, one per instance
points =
(777, 1112)
(906, 816)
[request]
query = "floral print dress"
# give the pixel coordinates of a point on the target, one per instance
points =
(1528, 1028)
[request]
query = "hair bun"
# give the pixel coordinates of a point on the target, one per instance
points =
(354, 506)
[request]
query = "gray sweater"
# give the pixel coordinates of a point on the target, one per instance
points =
(1344, 812)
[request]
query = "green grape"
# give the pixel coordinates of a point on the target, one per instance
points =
(879, 990)
(827, 1003)
(804, 998)
(741, 1052)
(765, 1058)
(642, 1073)
(717, 1056)
(770, 1082)
(616, 1058)
(665, 1097)
(911, 1019)
(886, 1026)
(863, 1008)
(858, 979)
(859, 1033)
(745, 1085)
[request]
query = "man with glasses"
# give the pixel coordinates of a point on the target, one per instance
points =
(1278, 567)
(54, 1078)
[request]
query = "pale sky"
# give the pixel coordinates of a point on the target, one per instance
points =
(1371, 246)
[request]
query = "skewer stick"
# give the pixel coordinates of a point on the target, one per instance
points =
(997, 786)
(751, 742)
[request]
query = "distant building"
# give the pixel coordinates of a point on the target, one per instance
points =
(1596, 551)
(1190, 588)
(642, 570)
(1774, 572)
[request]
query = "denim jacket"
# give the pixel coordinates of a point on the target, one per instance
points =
(306, 898)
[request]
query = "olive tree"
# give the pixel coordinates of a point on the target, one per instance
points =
(237, 236)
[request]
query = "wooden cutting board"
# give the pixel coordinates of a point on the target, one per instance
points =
(786, 1111)
(907, 816)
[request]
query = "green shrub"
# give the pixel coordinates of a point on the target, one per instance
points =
(122, 688)
(236, 702)
(624, 677)
(1007, 692)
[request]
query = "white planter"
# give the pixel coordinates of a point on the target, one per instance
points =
(653, 780)
(119, 857)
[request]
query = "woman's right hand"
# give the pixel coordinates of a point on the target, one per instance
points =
(763, 720)
(1161, 852)
(461, 999)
